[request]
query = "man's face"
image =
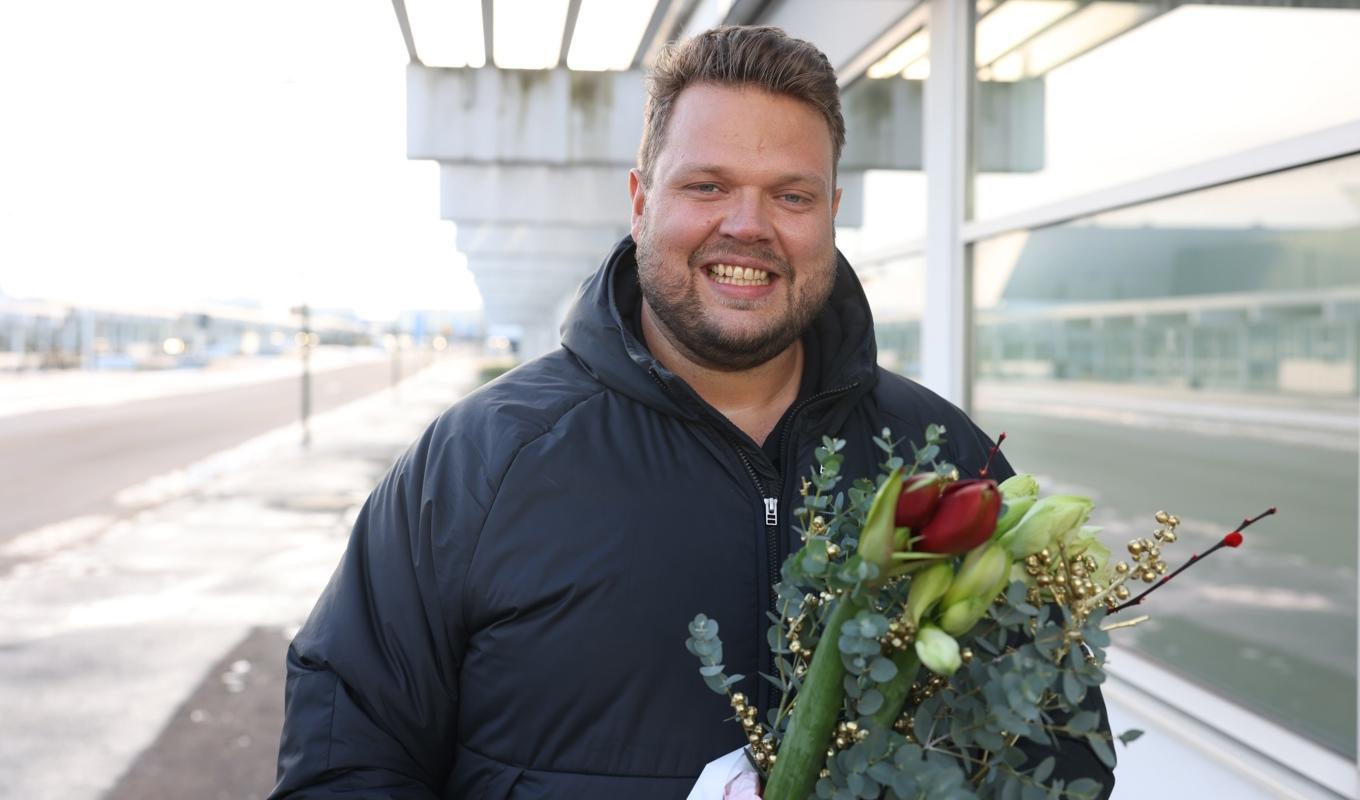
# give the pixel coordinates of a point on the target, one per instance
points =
(735, 231)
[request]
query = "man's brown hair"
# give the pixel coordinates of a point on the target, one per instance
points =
(763, 57)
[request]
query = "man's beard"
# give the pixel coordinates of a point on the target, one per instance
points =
(676, 301)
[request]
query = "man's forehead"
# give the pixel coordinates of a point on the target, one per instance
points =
(712, 123)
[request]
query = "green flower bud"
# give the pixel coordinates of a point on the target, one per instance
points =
(1048, 520)
(927, 588)
(1018, 492)
(1017, 486)
(960, 617)
(878, 537)
(984, 569)
(938, 651)
(1012, 512)
(1085, 541)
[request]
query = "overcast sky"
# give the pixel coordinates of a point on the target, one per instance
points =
(167, 151)
(164, 151)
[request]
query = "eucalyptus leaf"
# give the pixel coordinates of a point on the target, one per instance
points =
(855, 783)
(989, 739)
(882, 772)
(1010, 790)
(1101, 746)
(1083, 721)
(882, 670)
(920, 723)
(870, 703)
(1044, 769)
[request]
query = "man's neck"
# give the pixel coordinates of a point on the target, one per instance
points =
(754, 399)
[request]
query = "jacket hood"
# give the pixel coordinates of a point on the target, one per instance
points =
(599, 331)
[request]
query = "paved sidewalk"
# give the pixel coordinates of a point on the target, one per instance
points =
(143, 658)
(46, 390)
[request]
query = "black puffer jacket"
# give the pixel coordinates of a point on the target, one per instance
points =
(508, 619)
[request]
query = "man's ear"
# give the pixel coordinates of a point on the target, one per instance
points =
(638, 193)
(835, 202)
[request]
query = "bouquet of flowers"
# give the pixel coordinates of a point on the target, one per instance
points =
(926, 627)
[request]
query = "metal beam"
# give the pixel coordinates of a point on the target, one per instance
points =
(891, 37)
(568, 30)
(488, 30)
(658, 31)
(404, 22)
(748, 12)
(841, 29)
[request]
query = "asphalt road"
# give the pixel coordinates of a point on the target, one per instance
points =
(57, 465)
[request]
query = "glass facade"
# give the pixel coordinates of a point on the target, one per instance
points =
(1194, 348)
(1094, 95)
(1200, 354)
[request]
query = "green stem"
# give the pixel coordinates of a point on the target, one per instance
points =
(896, 690)
(803, 750)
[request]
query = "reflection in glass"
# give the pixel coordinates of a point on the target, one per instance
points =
(895, 289)
(1202, 354)
(1073, 98)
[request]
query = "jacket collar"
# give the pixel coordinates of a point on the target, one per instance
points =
(599, 332)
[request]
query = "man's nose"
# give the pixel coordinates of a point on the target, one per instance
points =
(747, 218)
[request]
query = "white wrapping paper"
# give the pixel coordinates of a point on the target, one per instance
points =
(728, 778)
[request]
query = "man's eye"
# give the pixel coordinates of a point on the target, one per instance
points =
(706, 188)
(795, 199)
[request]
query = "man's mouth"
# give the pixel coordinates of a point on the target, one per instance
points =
(738, 276)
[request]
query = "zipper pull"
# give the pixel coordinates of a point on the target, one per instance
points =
(771, 511)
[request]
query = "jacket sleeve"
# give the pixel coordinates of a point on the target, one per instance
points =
(372, 693)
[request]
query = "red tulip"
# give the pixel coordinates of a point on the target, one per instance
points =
(920, 495)
(965, 518)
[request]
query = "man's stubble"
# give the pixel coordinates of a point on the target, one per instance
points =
(675, 300)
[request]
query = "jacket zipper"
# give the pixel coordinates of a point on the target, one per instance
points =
(772, 560)
(770, 503)
(772, 533)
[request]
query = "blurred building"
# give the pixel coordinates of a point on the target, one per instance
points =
(37, 334)
(1126, 232)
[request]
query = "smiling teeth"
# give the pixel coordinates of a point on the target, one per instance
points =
(739, 276)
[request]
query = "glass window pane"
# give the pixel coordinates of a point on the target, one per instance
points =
(1076, 97)
(1202, 354)
(895, 290)
(883, 152)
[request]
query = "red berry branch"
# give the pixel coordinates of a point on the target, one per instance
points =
(1232, 539)
(996, 448)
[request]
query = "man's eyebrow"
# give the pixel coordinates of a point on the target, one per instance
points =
(810, 178)
(803, 177)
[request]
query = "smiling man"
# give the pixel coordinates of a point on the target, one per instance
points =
(734, 224)
(508, 619)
